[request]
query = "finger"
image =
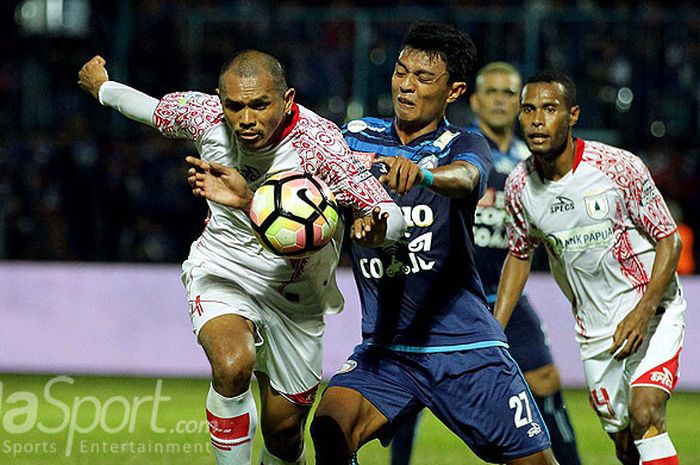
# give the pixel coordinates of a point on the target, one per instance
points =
(381, 159)
(617, 341)
(99, 60)
(412, 179)
(196, 162)
(218, 167)
(394, 176)
(405, 175)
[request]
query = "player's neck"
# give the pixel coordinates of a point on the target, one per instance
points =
(502, 137)
(557, 167)
(408, 132)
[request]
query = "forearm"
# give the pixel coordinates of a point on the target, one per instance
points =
(129, 102)
(456, 180)
(510, 287)
(663, 270)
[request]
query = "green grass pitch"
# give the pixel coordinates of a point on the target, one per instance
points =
(110, 420)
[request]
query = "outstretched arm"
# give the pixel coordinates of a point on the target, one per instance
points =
(458, 179)
(510, 287)
(94, 79)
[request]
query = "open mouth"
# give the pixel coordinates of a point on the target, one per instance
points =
(405, 102)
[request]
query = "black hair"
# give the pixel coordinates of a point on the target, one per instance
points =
(251, 63)
(557, 77)
(454, 47)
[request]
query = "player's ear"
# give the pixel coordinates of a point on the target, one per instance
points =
(574, 113)
(289, 100)
(456, 90)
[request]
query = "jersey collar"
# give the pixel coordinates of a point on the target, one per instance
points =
(419, 140)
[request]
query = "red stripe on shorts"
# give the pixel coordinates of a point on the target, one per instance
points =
(663, 376)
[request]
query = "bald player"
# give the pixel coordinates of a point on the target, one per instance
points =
(253, 311)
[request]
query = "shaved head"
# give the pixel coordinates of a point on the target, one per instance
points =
(253, 64)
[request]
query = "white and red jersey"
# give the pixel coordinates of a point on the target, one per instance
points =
(599, 224)
(227, 245)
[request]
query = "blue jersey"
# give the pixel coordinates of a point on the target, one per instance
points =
(489, 222)
(424, 294)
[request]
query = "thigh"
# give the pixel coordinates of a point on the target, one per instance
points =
(482, 396)
(211, 296)
(608, 389)
(382, 386)
(291, 354)
(656, 362)
(527, 338)
(358, 419)
(277, 413)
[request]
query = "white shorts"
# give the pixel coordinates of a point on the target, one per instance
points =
(288, 348)
(655, 364)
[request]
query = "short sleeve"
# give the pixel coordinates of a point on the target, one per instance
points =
(325, 153)
(645, 203)
(474, 149)
(521, 243)
(187, 115)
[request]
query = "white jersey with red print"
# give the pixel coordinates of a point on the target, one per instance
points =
(228, 246)
(599, 224)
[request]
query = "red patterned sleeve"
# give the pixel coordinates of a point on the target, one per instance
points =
(325, 153)
(187, 115)
(520, 241)
(644, 202)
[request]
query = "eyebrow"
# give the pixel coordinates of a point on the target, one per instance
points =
(417, 71)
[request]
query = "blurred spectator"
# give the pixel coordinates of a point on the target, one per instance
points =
(77, 184)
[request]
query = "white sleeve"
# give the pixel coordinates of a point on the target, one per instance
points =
(128, 101)
(395, 224)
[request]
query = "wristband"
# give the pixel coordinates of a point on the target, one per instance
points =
(428, 178)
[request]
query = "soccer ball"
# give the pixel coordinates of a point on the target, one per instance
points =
(293, 214)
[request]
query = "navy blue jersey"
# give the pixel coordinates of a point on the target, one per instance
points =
(489, 222)
(423, 294)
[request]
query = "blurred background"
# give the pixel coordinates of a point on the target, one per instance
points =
(79, 182)
(96, 214)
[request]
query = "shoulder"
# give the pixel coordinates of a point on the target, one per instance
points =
(187, 114)
(313, 127)
(463, 142)
(619, 165)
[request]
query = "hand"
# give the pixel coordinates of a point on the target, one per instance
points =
(631, 331)
(403, 174)
(370, 230)
(218, 183)
(92, 75)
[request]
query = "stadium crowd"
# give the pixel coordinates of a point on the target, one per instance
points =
(78, 184)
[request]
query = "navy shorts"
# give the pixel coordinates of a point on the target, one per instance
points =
(479, 394)
(526, 338)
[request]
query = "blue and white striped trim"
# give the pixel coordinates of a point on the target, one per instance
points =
(438, 349)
